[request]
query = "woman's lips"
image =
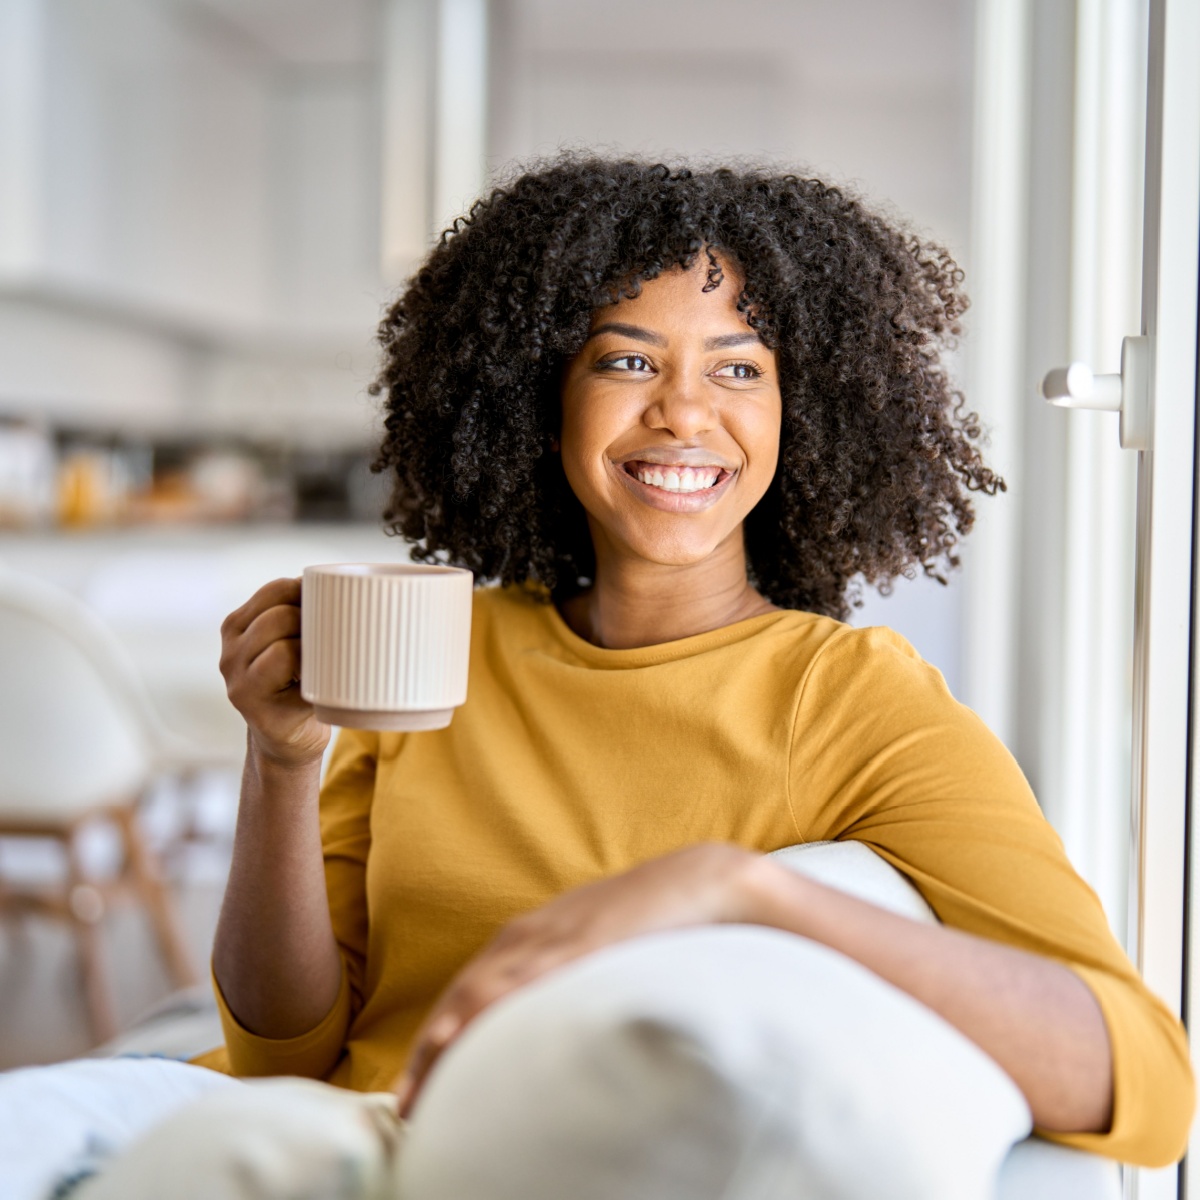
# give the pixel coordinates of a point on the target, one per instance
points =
(674, 496)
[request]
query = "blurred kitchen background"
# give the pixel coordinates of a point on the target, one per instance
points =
(204, 205)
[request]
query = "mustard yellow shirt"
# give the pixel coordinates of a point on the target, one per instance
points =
(569, 763)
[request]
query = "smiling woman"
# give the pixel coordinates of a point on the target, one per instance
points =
(676, 416)
(840, 313)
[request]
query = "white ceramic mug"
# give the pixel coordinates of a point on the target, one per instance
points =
(385, 645)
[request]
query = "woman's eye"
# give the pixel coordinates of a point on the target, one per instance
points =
(739, 370)
(625, 362)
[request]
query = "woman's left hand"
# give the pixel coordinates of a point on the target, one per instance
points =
(696, 886)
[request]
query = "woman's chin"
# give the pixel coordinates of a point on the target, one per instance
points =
(673, 552)
(624, 534)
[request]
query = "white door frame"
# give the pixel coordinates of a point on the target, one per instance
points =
(1058, 318)
(1166, 505)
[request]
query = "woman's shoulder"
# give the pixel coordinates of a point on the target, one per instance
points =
(873, 662)
(832, 645)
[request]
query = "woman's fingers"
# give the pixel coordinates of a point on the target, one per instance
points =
(485, 980)
(278, 591)
(439, 1033)
(443, 1025)
(260, 660)
(276, 668)
(282, 622)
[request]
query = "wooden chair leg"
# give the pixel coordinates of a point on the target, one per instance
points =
(85, 911)
(147, 879)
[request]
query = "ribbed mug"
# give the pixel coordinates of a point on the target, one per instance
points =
(385, 645)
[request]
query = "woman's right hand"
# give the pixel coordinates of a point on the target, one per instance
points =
(260, 660)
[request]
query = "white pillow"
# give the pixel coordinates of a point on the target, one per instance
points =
(719, 1063)
(269, 1139)
(854, 868)
(62, 1121)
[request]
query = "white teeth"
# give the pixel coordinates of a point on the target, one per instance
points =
(680, 479)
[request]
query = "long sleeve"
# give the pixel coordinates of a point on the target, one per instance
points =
(346, 799)
(884, 755)
(345, 816)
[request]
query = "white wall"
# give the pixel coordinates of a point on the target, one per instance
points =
(152, 161)
(862, 90)
(324, 240)
(183, 198)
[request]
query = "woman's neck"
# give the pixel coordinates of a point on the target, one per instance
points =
(637, 603)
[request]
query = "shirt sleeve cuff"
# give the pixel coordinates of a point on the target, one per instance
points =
(312, 1054)
(1153, 1092)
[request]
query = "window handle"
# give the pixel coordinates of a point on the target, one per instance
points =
(1127, 393)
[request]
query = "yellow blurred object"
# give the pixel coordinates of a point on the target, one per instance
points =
(84, 489)
(169, 498)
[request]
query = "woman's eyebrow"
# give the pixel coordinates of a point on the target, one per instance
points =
(726, 340)
(631, 331)
(721, 342)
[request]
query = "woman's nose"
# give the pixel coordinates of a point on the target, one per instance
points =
(682, 409)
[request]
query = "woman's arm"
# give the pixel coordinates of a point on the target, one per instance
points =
(1033, 1016)
(275, 957)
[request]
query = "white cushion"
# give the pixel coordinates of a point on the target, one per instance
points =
(1038, 1170)
(721, 1062)
(854, 868)
(1034, 1169)
(268, 1139)
(64, 1120)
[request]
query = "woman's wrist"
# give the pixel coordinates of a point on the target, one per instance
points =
(275, 786)
(760, 891)
(270, 762)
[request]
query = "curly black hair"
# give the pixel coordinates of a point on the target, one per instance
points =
(878, 454)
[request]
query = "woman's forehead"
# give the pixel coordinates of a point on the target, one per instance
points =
(677, 296)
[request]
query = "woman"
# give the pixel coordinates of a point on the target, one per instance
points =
(679, 418)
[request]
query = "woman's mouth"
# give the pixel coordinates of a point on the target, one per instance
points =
(669, 478)
(673, 487)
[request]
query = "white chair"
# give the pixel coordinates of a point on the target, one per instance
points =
(79, 742)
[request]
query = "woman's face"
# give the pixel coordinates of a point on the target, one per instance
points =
(670, 419)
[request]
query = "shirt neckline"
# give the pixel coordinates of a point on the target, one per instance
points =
(639, 656)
